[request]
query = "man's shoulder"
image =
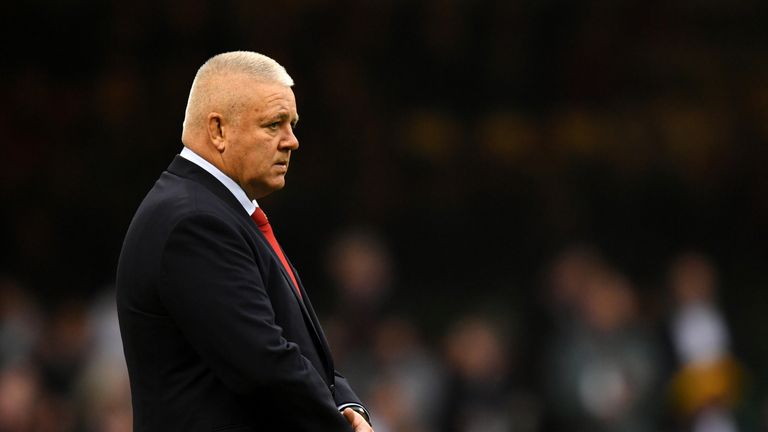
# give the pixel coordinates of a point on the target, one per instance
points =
(174, 198)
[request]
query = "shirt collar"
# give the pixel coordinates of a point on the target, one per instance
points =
(237, 191)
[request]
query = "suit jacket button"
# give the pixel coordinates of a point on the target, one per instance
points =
(332, 388)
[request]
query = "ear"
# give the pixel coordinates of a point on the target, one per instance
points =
(215, 124)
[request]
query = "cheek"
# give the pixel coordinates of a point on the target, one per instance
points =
(259, 162)
(261, 147)
(259, 157)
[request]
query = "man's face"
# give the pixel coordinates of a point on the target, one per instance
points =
(260, 142)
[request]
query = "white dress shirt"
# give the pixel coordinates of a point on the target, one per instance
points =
(237, 191)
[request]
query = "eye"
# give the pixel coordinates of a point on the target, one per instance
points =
(274, 126)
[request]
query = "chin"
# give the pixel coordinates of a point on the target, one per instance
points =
(269, 188)
(278, 185)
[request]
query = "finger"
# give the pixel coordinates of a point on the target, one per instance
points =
(357, 421)
(349, 414)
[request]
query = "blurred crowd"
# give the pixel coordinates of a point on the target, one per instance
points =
(592, 353)
(61, 369)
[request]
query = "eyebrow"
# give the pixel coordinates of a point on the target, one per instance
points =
(283, 115)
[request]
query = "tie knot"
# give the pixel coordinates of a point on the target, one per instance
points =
(259, 217)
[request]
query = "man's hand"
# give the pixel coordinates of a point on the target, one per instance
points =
(357, 421)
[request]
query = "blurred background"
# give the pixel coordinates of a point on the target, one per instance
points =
(511, 215)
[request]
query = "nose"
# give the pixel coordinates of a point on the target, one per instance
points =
(290, 142)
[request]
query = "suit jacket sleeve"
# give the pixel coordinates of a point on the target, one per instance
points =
(346, 397)
(214, 291)
(344, 394)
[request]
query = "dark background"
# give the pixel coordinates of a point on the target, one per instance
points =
(476, 138)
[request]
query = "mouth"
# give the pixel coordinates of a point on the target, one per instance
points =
(282, 165)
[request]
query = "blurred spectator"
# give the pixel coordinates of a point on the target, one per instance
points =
(479, 397)
(361, 273)
(602, 370)
(104, 388)
(19, 392)
(406, 389)
(568, 278)
(19, 324)
(64, 347)
(707, 383)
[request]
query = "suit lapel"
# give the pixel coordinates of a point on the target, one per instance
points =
(306, 307)
(283, 271)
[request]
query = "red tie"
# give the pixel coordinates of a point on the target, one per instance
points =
(263, 223)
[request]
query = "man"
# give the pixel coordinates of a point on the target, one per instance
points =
(218, 330)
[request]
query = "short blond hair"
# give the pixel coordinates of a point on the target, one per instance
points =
(208, 91)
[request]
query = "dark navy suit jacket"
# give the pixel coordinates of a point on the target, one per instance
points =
(214, 333)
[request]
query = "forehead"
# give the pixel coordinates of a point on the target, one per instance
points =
(269, 97)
